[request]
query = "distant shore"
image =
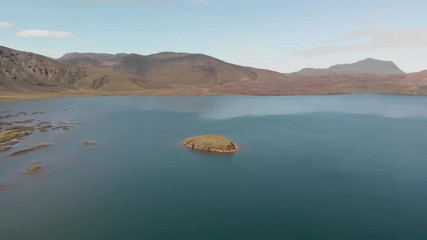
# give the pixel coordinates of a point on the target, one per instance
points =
(30, 96)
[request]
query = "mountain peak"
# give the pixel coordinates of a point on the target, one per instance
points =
(373, 60)
(368, 65)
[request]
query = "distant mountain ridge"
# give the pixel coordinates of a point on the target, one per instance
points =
(32, 72)
(171, 73)
(25, 71)
(171, 67)
(21, 70)
(368, 66)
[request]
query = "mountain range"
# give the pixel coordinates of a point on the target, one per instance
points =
(369, 65)
(170, 73)
(170, 67)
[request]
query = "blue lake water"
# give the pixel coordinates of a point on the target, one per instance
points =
(308, 167)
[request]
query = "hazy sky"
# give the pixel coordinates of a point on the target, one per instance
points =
(282, 35)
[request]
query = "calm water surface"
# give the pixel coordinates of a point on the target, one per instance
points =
(309, 167)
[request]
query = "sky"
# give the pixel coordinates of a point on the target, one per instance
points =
(281, 35)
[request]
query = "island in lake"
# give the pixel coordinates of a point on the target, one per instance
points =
(210, 143)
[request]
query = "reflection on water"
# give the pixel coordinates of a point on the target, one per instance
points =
(229, 107)
(224, 107)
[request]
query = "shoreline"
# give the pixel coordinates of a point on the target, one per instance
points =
(22, 97)
(30, 96)
(211, 150)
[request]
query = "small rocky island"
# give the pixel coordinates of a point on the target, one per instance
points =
(210, 143)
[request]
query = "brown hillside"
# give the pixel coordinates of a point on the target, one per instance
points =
(24, 71)
(293, 84)
(172, 68)
(171, 73)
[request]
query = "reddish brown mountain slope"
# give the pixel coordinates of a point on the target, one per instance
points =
(172, 68)
(182, 74)
(24, 71)
(331, 84)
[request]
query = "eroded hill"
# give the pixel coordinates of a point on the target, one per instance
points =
(25, 71)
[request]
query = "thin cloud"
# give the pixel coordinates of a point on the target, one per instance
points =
(371, 40)
(126, 2)
(36, 33)
(198, 2)
(6, 24)
(139, 3)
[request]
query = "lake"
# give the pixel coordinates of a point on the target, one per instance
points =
(308, 167)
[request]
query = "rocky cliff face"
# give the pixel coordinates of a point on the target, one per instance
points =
(36, 70)
(28, 71)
